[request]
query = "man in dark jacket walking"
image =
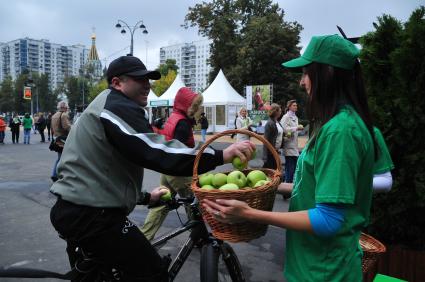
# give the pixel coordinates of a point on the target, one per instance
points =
(41, 125)
(204, 126)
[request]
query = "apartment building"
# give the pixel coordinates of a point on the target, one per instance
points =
(193, 62)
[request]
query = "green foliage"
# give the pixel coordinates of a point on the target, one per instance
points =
(170, 64)
(6, 95)
(19, 103)
(161, 85)
(393, 60)
(75, 88)
(97, 88)
(250, 40)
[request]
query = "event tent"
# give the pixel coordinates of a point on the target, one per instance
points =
(221, 103)
(167, 98)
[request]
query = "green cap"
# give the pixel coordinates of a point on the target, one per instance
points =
(327, 49)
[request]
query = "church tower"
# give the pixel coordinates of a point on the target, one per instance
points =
(94, 66)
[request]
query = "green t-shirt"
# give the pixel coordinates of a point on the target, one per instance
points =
(384, 162)
(338, 169)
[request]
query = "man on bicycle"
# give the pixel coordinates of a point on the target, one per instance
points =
(101, 172)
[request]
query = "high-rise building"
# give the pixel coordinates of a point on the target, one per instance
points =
(42, 56)
(192, 60)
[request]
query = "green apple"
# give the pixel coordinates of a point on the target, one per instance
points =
(289, 134)
(219, 179)
(229, 187)
(206, 179)
(208, 187)
(237, 177)
(261, 183)
(255, 176)
(238, 164)
(300, 126)
(167, 196)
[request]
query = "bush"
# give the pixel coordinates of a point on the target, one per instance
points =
(393, 60)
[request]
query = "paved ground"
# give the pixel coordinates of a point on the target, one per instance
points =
(27, 238)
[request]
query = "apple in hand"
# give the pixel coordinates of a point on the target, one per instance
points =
(208, 187)
(255, 176)
(289, 134)
(261, 183)
(206, 179)
(237, 177)
(300, 127)
(166, 196)
(238, 164)
(219, 179)
(229, 187)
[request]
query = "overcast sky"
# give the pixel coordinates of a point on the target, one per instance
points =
(71, 22)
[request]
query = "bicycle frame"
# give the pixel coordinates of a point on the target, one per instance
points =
(198, 232)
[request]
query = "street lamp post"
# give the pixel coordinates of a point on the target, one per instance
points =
(123, 26)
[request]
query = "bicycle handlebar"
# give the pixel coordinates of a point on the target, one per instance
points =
(175, 203)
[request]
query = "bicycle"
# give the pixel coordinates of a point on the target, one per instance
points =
(218, 259)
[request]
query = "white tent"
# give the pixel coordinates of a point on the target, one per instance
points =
(221, 102)
(167, 98)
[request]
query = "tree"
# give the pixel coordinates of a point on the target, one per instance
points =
(170, 64)
(393, 60)
(46, 99)
(21, 105)
(161, 85)
(74, 89)
(96, 89)
(250, 40)
(6, 95)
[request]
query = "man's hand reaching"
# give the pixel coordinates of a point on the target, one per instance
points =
(243, 150)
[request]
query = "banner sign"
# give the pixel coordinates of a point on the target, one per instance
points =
(159, 103)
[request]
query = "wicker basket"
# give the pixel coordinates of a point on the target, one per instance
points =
(260, 198)
(372, 249)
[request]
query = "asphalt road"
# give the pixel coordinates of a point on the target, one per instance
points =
(27, 238)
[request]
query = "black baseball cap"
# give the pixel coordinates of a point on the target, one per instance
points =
(131, 66)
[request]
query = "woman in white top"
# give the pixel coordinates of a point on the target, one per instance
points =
(243, 122)
(290, 126)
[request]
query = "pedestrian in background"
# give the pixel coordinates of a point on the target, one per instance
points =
(60, 127)
(274, 134)
(41, 125)
(48, 126)
(27, 123)
(291, 152)
(14, 125)
(2, 129)
(35, 123)
(204, 126)
(178, 126)
(243, 122)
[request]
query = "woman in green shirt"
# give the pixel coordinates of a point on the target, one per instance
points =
(332, 192)
(27, 122)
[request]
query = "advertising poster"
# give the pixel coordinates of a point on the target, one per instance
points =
(261, 97)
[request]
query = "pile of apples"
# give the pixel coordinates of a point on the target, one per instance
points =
(235, 180)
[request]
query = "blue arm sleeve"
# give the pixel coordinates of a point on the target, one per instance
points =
(326, 219)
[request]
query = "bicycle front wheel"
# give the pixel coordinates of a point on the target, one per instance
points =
(220, 263)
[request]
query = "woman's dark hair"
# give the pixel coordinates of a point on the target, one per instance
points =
(331, 88)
